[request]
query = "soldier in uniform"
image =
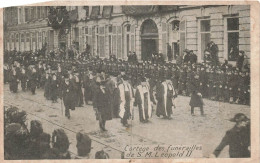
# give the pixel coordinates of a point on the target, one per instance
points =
(220, 82)
(203, 78)
(247, 87)
(234, 86)
(182, 81)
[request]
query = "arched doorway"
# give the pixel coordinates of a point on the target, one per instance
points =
(149, 39)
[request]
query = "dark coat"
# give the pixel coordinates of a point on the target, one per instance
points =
(238, 141)
(103, 104)
(160, 110)
(196, 100)
(68, 96)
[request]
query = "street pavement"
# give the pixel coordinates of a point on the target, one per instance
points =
(182, 129)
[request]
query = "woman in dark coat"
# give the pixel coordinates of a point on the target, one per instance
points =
(103, 107)
(196, 97)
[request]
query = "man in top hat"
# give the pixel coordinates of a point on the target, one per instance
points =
(182, 81)
(237, 138)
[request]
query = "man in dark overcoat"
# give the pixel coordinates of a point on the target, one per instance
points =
(68, 96)
(196, 97)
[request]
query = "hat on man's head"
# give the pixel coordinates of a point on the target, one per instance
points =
(239, 117)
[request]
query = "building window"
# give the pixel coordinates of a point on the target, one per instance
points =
(110, 29)
(27, 37)
(86, 30)
(33, 13)
(128, 27)
(27, 15)
(110, 41)
(97, 41)
(232, 38)
(38, 12)
(22, 37)
(175, 25)
(204, 36)
(43, 38)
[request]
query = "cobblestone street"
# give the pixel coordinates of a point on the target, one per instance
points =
(182, 129)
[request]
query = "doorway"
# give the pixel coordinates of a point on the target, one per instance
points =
(149, 39)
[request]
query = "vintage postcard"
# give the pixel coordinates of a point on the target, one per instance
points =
(150, 81)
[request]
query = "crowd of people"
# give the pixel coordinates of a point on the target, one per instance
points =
(114, 86)
(66, 78)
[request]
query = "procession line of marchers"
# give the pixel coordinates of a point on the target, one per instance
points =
(90, 119)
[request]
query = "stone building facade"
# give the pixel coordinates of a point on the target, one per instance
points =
(119, 29)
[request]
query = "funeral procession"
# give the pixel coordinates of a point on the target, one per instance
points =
(106, 82)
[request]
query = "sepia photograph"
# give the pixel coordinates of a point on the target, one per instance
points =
(126, 82)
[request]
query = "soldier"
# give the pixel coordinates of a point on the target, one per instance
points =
(190, 76)
(175, 77)
(234, 86)
(241, 88)
(226, 85)
(210, 84)
(219, 85)
(203, 78)
(247, 87)
(182, 81)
